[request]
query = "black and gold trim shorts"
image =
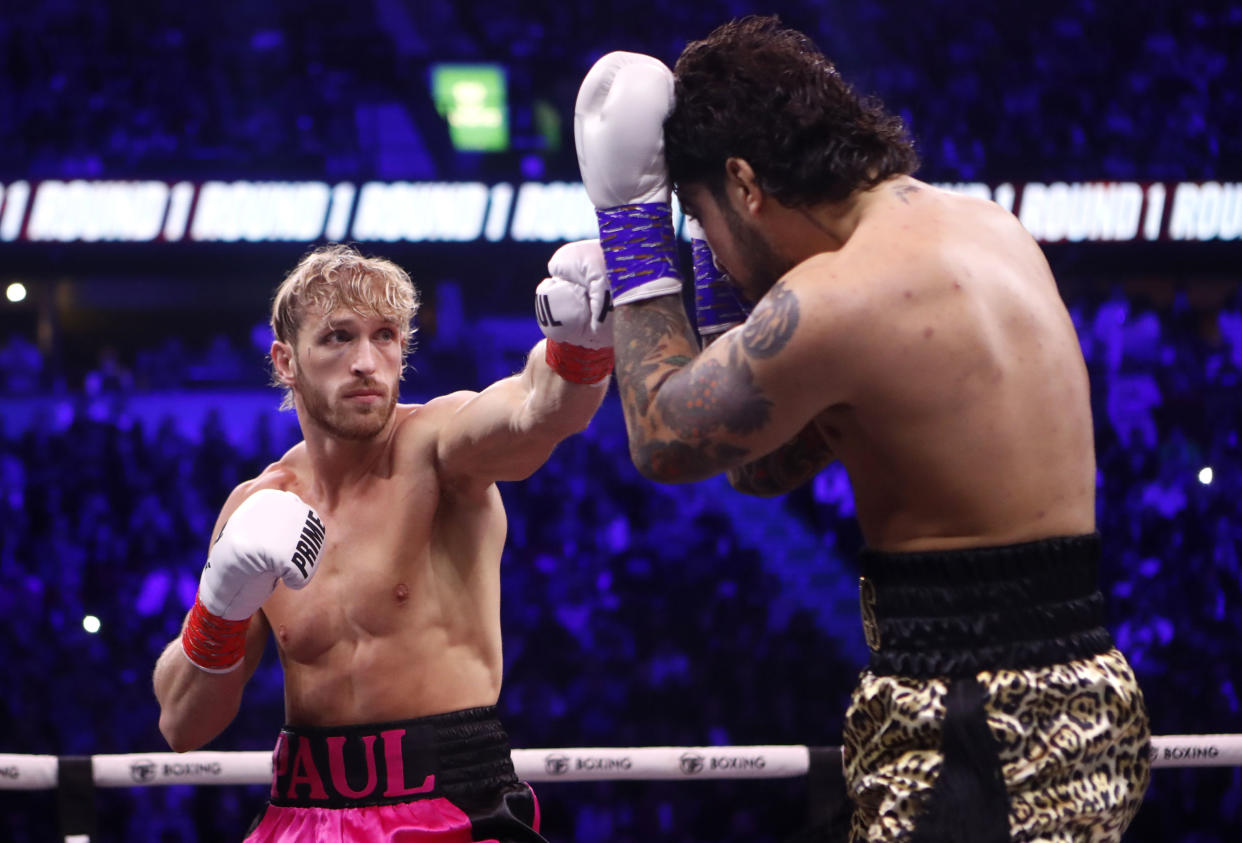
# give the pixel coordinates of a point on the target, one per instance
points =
(995, 706)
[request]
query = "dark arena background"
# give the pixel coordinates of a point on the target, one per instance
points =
(163, 164)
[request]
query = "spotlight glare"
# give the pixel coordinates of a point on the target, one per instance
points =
(16, 292)
(1205, 475)
(91, 624)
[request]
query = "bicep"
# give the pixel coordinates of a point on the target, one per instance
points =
(495, 434)
(467, 420)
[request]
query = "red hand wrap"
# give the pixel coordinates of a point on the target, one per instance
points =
(577, 364)
(213, 643)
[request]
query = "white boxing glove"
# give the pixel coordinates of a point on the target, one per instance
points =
(574, 307)
(273, 536)
(619, 130)
(619, 136)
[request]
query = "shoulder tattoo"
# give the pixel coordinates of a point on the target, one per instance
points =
(772, 324)
(904, 191)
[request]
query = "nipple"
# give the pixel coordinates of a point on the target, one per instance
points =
(401, 592)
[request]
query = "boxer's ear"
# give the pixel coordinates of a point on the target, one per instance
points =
(284, 366)
(742, 185)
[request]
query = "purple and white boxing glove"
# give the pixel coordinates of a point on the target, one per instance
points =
(619, 136)
(717, 304)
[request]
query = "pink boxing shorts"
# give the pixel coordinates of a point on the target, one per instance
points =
(447, 778)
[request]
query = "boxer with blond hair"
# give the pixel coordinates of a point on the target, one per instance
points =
(370, 552)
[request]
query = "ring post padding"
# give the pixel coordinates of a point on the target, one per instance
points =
(826, 791)
(75, 797)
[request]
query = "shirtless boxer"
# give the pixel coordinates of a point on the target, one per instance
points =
(917, 336)
(392, 652)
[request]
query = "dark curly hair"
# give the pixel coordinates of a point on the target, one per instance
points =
(757, 90)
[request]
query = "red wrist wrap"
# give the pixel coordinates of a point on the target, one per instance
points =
(577, 364)
(213, 643)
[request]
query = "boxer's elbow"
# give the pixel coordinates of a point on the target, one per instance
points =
(178, 733)
(192, 721)
(670, 462)
(195, 706)
(177, 744)
(743, 481)
(646, 469)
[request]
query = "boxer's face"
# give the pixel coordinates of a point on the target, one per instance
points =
(346, 368)
(739, 247)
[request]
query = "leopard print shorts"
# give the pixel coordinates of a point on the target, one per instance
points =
(1072, 741)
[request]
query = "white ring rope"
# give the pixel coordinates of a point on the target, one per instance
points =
(39, 772)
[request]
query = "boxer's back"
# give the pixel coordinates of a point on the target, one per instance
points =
(402, 618)
(969, 421)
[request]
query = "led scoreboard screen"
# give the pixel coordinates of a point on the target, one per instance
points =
(89, 211)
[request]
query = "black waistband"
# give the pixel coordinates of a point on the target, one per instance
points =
(956, 612)
(456, 754)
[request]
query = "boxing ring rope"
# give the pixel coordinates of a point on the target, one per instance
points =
(76, 777)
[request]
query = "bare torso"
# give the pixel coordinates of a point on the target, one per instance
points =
(969, 418)
(402, 618)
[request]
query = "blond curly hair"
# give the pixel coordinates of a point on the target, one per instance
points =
(338, 275)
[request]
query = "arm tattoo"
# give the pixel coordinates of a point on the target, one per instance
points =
(772, 324)
(657, 373)
(705, 399)
(647, 326)
(713, 395)
(678, 461)
(786, 468)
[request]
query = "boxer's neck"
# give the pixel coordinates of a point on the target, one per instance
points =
(338, 464)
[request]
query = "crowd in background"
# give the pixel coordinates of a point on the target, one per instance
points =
(167, 89)
(633, 614)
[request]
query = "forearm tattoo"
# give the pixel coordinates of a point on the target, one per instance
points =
(664, 415)
(673, 413)
(651, 336)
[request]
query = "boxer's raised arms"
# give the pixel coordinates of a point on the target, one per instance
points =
(918, 336)
(509, 429)
(710, 418)
(914, 334)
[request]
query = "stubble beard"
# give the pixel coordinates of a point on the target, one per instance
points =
(342, 421)
(761, 267)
